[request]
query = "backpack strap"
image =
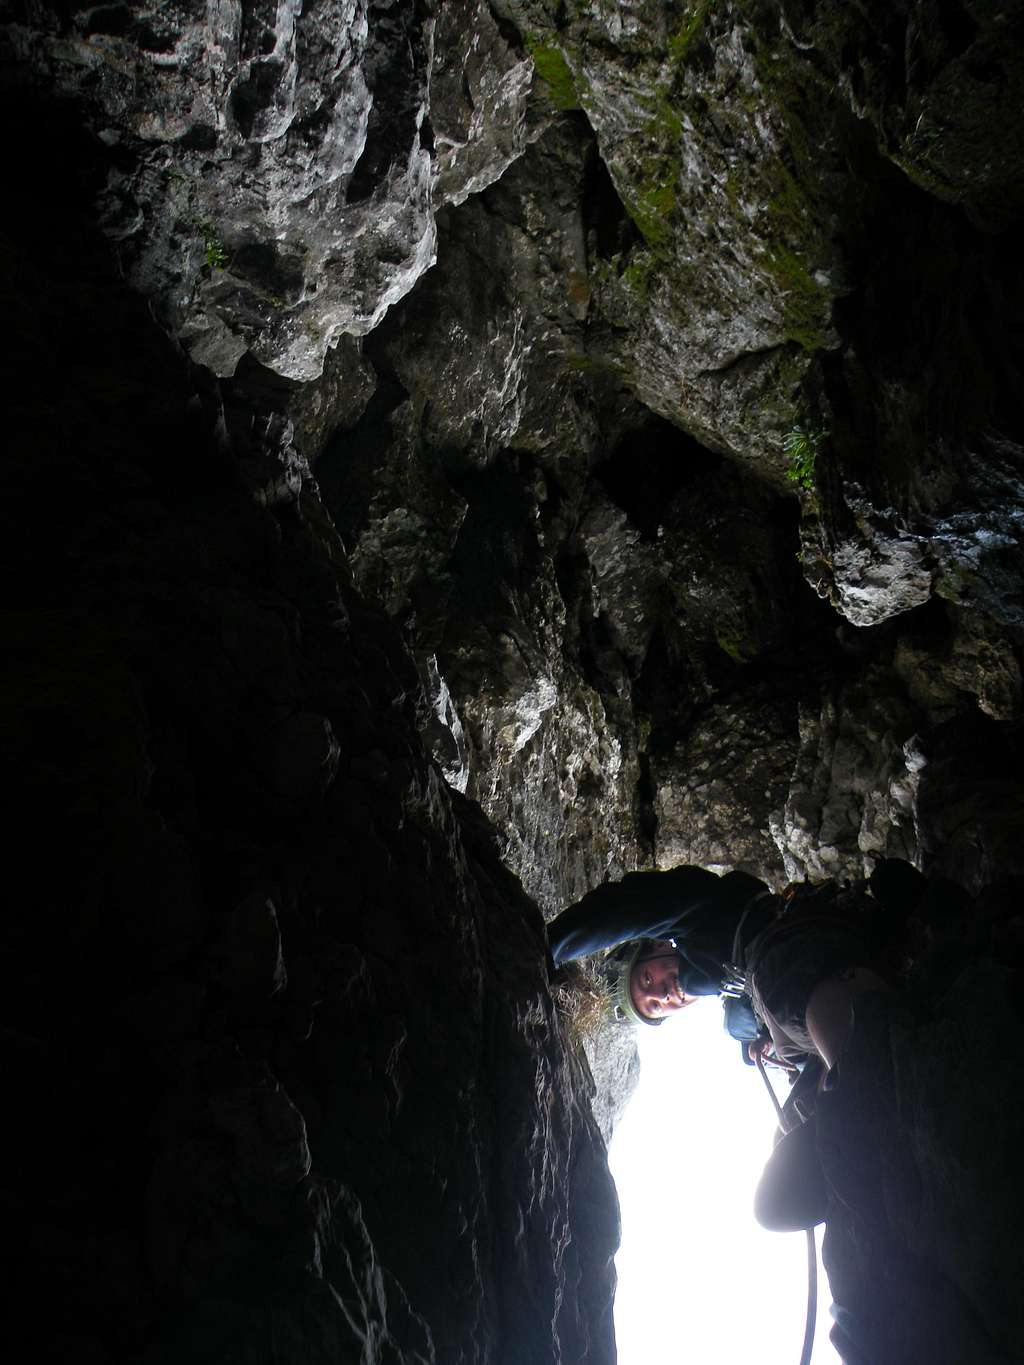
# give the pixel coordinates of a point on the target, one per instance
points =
(734, 978)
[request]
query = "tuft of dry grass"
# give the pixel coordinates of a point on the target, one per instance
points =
(584, 998)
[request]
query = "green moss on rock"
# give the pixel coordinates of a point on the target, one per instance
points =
(551, 66)
(690, 31)
(649, 195)
(796, 241)
(806, 303)
(739, 650)
(651, 210)
(625, 290)
(955, 582)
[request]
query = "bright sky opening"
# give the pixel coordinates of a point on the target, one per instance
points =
(694, 1268)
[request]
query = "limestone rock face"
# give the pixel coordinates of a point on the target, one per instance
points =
(715, 790)
(933, 84)
(724, 280)
(274, 182)
(456, 497)
(853, 787)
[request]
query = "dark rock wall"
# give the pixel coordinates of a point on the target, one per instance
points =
(290, 1084)
(613, 409)
(591, 579)
(918, 1143)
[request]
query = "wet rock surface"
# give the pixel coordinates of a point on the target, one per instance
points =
(459, 453)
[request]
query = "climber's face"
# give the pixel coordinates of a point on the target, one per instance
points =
(654, 983)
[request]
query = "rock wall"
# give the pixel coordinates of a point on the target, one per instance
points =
(611, 409)
(289, 1079)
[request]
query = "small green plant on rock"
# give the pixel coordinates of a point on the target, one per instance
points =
(801, 446)
(739, 650)
(214, 249)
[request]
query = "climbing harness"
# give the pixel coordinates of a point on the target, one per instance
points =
(734, 982)
(812, 1251)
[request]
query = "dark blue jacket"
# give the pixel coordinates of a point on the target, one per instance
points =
(696, 909)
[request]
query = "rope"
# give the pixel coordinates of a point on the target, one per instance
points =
(812, 1299)
(759, 1060)
(812, 1251)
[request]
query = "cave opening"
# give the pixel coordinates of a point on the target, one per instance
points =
(686, 1156)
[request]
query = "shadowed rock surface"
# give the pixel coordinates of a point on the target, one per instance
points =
(612, 410)
(290, 1080)
(918, 1142)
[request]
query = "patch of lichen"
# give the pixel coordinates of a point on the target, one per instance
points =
(647, 177)
(636, 278)
(806, 303)
(797, 203)
(955, 582)
(649, 187)
(741, 651)
(624, 283)
(793, 239)
(553, 69)
(624, 288)
(650, 207)
(682, 43)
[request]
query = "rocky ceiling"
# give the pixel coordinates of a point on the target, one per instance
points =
(458, 452)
